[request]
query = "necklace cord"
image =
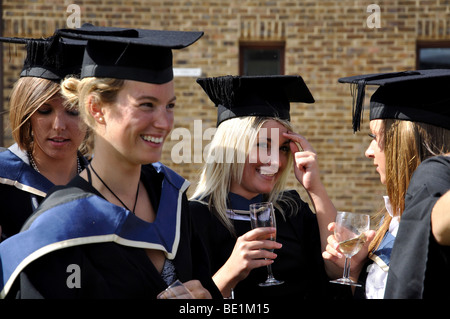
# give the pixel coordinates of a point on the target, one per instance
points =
(110, 190)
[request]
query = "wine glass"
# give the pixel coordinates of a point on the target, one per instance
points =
(262, 215)
(350, 233)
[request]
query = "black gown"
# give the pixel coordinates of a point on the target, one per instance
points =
(22, 189)
(299, 262)
(420, 267)
(105, 242)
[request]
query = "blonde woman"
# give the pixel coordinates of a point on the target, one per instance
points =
(407, 127)
(124, 221)
(249, 160)
(49, 136)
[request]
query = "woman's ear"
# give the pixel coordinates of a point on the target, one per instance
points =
(95, 109)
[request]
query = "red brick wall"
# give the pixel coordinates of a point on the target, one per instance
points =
(324, 39)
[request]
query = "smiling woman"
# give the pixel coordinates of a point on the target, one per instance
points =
(253, 124)
(130, 209)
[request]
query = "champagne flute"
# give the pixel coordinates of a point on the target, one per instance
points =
(262, 215)
(350, 233)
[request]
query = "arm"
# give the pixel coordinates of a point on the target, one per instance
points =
(248, 253)
(306, 170)
(440, 220)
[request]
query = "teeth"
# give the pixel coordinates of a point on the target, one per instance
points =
(266, 171)
(153, 139)
(270, 175)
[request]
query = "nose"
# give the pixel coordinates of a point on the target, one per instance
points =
(274, 159)
(270, 157)
(163, 119)
(59, 122)
(369, 153)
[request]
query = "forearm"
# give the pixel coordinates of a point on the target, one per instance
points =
(325, 211)
(224, 281)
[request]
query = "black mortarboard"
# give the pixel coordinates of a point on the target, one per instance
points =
(50, 58)
(418, 96)
(268, 96)
(131, 54)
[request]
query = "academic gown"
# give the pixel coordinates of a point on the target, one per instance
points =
(82, 246)
(419, 266)
(21, 189)
(299, 262)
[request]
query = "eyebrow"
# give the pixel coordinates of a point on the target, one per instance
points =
(154, 99)
(269, 140)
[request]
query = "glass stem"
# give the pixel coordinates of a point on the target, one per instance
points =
(269, 272)
(347, 268)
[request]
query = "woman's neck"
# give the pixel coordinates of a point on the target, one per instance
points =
(58, 171)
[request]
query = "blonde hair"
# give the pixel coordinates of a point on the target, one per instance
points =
(406, 145)
(234, 139)
(28, 95)
(77, 92)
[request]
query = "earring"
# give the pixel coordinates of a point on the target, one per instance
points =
(100, 119)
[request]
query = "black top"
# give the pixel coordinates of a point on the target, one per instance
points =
(111, 270)
(20, 200)
(299, 262)
(419, 266)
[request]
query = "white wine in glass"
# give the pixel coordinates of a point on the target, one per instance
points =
(262, 215)
(350, 232)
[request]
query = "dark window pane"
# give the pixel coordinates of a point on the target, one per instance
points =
(434, 58)
(262, 61)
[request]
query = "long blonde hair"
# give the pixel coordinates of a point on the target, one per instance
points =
(406, 145)
(228, 151)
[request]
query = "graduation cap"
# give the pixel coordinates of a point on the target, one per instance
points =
(418, 96)
(266, 96)
(50, 58)
(131, 54)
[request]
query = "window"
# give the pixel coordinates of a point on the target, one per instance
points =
(261, 58)
(433, 55)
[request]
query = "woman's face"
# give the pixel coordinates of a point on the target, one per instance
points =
(265, 163)
(56, 130)
(376, 148)
(140, 120)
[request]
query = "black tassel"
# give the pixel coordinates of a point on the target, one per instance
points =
(358, 91)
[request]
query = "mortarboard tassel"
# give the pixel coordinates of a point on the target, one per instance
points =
(358, 105)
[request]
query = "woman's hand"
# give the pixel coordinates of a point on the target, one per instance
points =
(333, 254)
(197, 290)
(249, 252)
(306, 167)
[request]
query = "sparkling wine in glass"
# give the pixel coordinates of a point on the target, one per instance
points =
(262, 215)
(350, 232)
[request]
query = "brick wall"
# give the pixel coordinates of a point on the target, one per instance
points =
(324, 39)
